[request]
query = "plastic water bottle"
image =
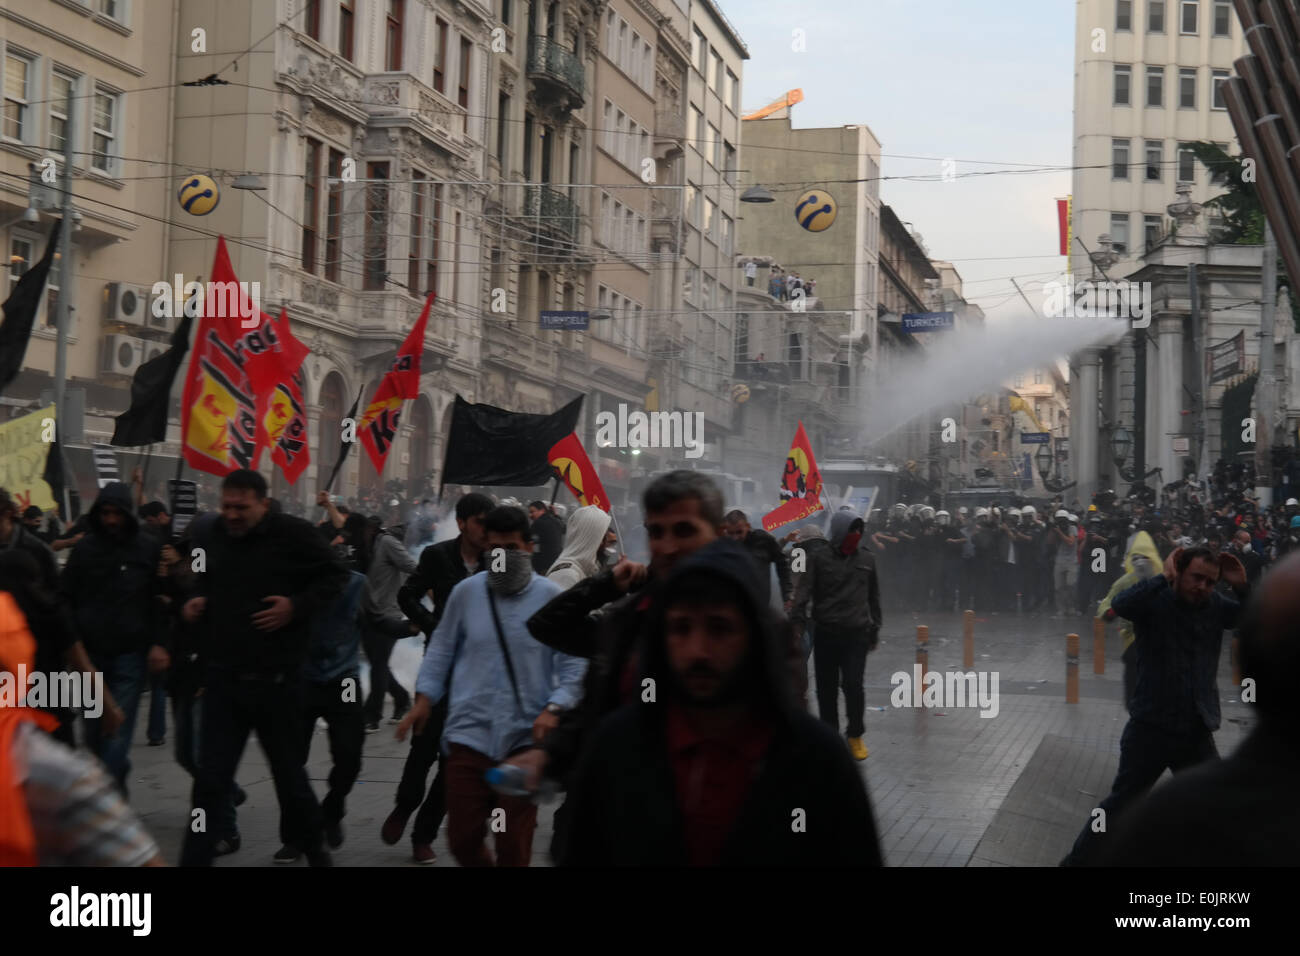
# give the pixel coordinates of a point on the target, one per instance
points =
(509, 780)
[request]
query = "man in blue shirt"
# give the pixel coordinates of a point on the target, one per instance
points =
(1178, 623)
(506, 690)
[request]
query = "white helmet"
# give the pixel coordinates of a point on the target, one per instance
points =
(981, 513)
(1014, 513)
(943, 518)
(1063, 514)
(963, 511)
(927, 513)
(1028, 512)
(1073, 518)
(1292, 501)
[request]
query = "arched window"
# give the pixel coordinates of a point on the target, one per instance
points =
(329, 429)
(421, 448)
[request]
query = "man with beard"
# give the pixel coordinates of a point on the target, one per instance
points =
(841, 583)
(720, 767)
(1178, 622)
(508, 694)
(109, 584)
(266, 574)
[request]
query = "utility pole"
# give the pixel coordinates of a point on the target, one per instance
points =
(64, 316)
(1265, 387)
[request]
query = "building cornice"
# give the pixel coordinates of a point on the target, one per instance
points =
(38, 27)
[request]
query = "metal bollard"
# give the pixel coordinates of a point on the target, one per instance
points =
(1098, 645)
(922, 650)
(968, 640)
(1072, 668)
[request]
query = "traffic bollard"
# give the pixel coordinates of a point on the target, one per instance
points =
(1072, 668)
(1098, 646)
(968, 640)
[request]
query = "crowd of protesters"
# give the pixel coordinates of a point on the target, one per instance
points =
(663, 698)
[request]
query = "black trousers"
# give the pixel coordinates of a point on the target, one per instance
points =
(377, 639)
(338, 703)
(840, 660)
(1144, 752)
(410, 791)
(233, 708)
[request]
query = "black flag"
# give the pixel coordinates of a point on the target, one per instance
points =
(20, 312)
(145, 421)
(491, 446)
(53, 474)
(344, 446)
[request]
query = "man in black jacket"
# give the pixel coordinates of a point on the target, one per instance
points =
(109, 584)
(765, 550)
(840, 581)
(265, 575)
(1240, 811)
(16, 534)
(441, 567)
(548, 532)
(1178, 624)
(715, 763)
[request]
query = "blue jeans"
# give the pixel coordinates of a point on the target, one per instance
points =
(157, 706)
(124, 677)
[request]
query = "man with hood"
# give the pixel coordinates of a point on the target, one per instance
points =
(109, 584)
(718, 766)
(583, 546)
(1141, 562)
(840, 581)
(508, 693)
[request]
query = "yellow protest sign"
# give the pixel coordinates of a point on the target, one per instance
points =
(25, 443)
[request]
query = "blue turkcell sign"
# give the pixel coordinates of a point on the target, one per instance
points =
(1035, 438)
(927, 321)
(564, 320)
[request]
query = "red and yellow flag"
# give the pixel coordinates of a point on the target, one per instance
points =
(379, 422)
(569, 459)
(219, 431)
(801, 485)
(276, 377)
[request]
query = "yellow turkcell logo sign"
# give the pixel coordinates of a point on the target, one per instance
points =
(815, 210)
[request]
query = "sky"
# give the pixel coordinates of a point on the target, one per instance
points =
(961, 79)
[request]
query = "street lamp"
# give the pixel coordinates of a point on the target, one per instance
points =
(1043, 459)
(757, 194)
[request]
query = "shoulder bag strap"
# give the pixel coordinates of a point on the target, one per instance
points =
(501, 639)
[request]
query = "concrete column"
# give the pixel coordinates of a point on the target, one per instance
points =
(1169, 382)
(1084, 426)
(1110, 404)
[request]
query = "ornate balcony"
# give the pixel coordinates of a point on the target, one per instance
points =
(556, 71)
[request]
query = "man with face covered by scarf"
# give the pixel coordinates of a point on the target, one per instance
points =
(506, 690)
(840, 582)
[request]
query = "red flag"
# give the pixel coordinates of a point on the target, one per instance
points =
(801, 485)
(276, 377)
(1063, 224)
(378, 424)
(219, 430)
(569, 458)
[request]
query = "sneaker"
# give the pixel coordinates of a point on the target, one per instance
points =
(320, 857)
(226, 846)
(394, 826)
(372, 727)
(398, 713)
(334, 833)
(158, 743)
(287, 854)
(857, 748)
(239, 797)
(423, 853)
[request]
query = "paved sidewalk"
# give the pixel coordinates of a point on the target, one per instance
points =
(949, 788)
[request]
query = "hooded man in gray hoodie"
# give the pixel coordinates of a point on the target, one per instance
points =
(839, 578)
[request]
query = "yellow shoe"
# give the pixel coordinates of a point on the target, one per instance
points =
(857, 748)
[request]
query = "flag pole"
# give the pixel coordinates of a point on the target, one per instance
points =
(555, 490)
(180, 466)
(617, 533)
